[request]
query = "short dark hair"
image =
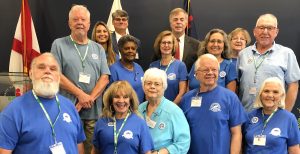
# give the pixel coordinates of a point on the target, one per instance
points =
(126, 38)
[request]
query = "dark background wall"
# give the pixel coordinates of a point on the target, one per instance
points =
(148, 18)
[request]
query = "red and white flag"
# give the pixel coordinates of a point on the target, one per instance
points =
(25, 44)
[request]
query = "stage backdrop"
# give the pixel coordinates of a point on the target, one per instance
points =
(148, 18)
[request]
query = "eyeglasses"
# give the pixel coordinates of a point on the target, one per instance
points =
(166, 43)
(150, 83)
(269, 28)
(215, 41)
(207, 70)
(121, 19)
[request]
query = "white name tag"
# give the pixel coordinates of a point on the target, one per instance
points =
(259, 140)
(57, 148)
(84, 77)
(252, 91)
(196, 101)
(150, 122)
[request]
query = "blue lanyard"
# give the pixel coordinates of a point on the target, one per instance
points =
(47, 115)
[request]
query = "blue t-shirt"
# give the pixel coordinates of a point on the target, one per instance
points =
(210, 123)
(176, 72)
(119, 72)
(24, 127)
(134, 138)
(227, 74)
(171, 130)
(281, 132)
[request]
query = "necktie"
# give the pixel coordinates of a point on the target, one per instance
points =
(177, 50)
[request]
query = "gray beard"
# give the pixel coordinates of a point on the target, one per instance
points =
(45, 89)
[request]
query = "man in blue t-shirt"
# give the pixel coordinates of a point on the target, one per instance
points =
(41, 121)
(214, 113)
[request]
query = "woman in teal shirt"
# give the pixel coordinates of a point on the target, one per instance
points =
(168, 126)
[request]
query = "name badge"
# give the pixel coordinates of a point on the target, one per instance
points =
(57, 148)
(252, 91)
(84, 77)
(150, 122)
(196, 101)
(110, 124)
(259, 140)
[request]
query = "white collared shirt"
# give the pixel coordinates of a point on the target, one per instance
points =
(181, 46)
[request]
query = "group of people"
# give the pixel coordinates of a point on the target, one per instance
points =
(217, 96)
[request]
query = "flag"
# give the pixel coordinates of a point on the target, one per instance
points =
(115, 6)
(191, 29)
(25, 46)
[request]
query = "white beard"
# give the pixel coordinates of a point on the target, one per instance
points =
(45, 89)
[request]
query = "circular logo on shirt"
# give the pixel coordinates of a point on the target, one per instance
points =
(162, 125)
(94, 56)
(222, 74)
(171, 76)
(67, 118)
(128, 134)
(275, 132)
(254, 120)
(215, 107)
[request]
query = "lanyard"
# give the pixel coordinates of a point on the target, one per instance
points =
(160, 65)
(86, 51)
(257, 64)
(47, 115)
(116, 134)
(267, 120)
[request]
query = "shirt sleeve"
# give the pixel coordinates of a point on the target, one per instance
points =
(181, 137)
(237, 113)
(292, 73)
(231, 74)
(9, 130)
(293, 133)
(56, 53)
(182, 72)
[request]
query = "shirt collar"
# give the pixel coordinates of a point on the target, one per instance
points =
(270, 50)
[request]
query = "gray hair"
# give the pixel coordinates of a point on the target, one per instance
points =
(268, 16)
(276, 80)
(48, 54)
(155, 73)
(208, 56)
(77, 8)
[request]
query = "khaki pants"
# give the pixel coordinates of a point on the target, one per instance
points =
(88, 126)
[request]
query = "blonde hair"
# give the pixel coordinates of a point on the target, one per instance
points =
(242, 30)
(275, 80)
(114, 88)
